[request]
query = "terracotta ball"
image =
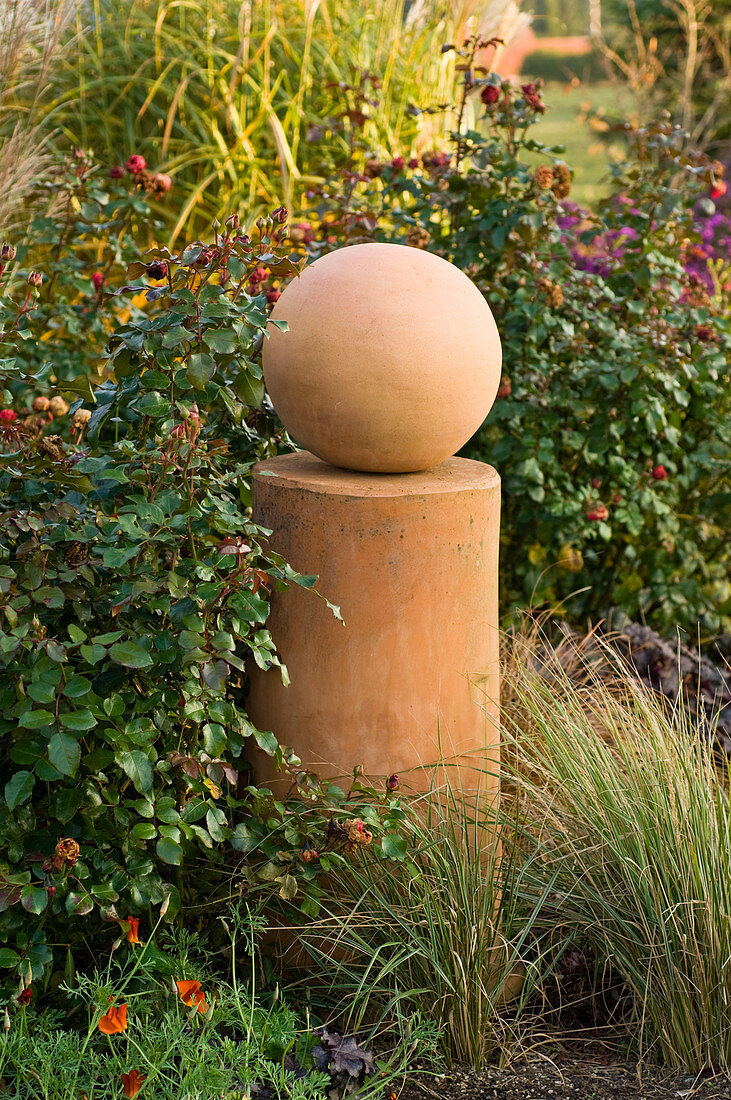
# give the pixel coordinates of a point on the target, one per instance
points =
(391, 362)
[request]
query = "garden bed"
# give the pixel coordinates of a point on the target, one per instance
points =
(592, 1072)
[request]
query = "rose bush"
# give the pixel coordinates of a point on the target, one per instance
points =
(615, 353)
(134, 587)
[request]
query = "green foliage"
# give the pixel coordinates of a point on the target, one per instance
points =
(624, 822)
(82, 245)
(227, 95)
(226, 1038)
(611, 427)
(134, 590)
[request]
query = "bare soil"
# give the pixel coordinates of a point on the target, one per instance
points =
(594, 1073)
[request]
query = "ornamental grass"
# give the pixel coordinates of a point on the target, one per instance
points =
(623, 819)
(235, 97)
(439, 935)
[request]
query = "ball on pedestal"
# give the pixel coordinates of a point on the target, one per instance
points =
(391, 362)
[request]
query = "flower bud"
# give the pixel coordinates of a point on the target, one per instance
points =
(58, 406)
(393, 782)
(35, 278)
(41, 403)
(116, 172)
(7, 252)
(135, 164)
(659, 473)
(98, 280)
(7, 416)
(157, 270)
(279, 215)
(162, 183)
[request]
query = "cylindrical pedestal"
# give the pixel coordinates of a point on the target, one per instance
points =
(411, 678)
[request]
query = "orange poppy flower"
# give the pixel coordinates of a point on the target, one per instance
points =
(133, 927)
(191, 995)
(114, 1021)
(25, 997)
(132, 1082)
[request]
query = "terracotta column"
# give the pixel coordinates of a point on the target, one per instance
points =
(411, 675)
(391, 383)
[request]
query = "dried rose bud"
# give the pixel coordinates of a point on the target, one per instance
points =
(67, 851)
(561, 181)
(374, 168)
(490, 94)
(41, 403)
(596, 483)
(301, 233)
(81, 418)
(98, 280)
(58, 406)
(357, 832)
(157, 270)
(205, 257)
(417, 237)
(530, 94)
(24, 998)
(116, 172)
(413, 162)
(35, 278)
(135, 164)
(397, 164)
(543, 177)
(162, 182)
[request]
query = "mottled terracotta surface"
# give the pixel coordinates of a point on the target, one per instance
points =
(412, 561)
(392, 361)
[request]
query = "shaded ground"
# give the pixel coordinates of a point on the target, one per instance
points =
(593, 1075)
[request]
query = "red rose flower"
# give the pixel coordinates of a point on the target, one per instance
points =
(490, 94)
(659, 473)
(136, 164)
